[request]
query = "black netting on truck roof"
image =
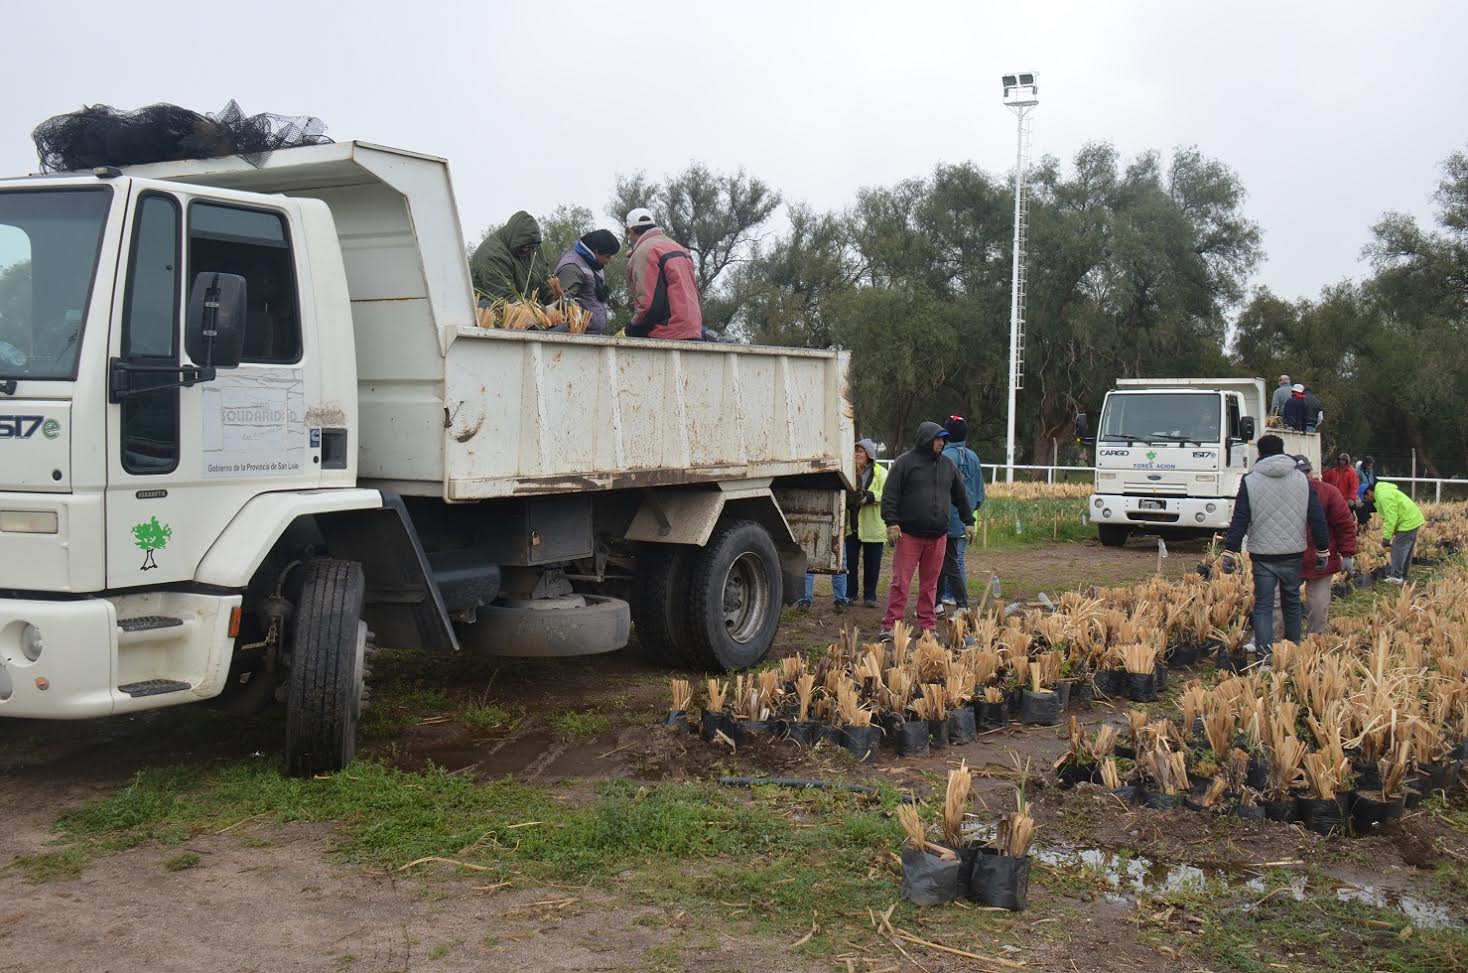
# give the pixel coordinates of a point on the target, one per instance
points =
(100, 135)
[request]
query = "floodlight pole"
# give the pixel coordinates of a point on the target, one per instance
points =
(1016, 291)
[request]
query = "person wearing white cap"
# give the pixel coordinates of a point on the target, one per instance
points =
(664, 287)
(1294, 410)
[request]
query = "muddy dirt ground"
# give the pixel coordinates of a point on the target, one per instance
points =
(270, 896)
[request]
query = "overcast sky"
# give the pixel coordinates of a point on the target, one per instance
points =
(1331, 112)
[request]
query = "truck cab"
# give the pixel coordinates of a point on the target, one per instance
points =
(249, 429)
(1171, 453)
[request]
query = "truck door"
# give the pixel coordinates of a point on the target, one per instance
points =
(182, 461)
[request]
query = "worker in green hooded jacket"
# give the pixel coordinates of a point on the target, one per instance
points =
(510, 264)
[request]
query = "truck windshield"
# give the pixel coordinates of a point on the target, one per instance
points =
(49, 241)
(1161, 418)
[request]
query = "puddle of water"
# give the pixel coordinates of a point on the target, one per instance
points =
(1131, 875)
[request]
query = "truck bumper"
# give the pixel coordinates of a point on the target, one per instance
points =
(100, 656)
(1183, 513)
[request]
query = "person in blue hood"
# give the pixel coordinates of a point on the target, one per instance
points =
(953, 584)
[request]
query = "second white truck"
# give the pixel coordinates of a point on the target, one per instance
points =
(1170, 453)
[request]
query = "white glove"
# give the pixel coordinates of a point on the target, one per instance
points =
(1348, 565)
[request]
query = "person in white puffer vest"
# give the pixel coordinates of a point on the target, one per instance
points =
(1281, 517)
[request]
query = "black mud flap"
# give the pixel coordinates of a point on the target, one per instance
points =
(404, 609)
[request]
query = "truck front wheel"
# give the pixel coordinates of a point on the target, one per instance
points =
(735, 595)
(1113, 535)
(327, 670)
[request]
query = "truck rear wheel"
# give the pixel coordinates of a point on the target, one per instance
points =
(735, 595)
(660, 604)
(328, 668)
(1113, 535)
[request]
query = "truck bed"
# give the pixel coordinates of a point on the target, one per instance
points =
(448, 409)
(550, 413)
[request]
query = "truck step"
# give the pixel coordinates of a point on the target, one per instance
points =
(154, 687)
(144, 623)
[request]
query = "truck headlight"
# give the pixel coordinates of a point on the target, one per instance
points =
(31, 643)
(1210, 507)
(1206, 477)
(1106, 512)
(1099, 501)
(1105, 476)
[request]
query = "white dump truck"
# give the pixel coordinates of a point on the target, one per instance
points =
(1170, 453)
(248, 426)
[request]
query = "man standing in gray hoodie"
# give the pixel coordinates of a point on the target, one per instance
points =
(1280, 515)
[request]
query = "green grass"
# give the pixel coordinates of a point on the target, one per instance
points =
(578, 724)
(181, 862)
(65, 865)
(490, 717)
(1040, 521)
(1322, 935)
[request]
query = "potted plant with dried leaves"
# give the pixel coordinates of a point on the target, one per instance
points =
(1140, 662)
(1039, 706)
(932, 707)
(1001, 870)
(930, 871)
(681, 691)
(1385, 803)
(717, 719)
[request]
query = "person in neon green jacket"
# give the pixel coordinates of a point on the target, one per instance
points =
(865, 534)
(1400, 521)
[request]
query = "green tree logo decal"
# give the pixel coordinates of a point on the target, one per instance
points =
(1151, 454)
(151, 536)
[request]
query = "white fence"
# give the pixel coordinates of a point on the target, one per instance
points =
(1457, 488)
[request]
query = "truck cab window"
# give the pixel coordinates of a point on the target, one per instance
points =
(256, 245)
(150, 336)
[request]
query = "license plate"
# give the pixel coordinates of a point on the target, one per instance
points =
(1153, 504)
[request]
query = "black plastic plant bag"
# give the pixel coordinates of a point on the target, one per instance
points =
(928, 879)
(1325, 817)
(999, 881)
(1141, 687)
(963, 727)
(1040, 709)
(862, 741)
(910, 738)
(1110, 683)
(992, 716)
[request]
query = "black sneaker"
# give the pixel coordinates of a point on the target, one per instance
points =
(886, 635)
(802, 605)
(839, 607)
(870, 602)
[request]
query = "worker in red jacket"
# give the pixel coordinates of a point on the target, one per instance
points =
(1343, 477)
(1342, 525)
(664, 287)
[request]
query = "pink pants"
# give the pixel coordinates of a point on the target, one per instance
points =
(925, 556)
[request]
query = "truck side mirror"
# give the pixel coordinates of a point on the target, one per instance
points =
(214, 331)
(1083, 425)
(1246, 429)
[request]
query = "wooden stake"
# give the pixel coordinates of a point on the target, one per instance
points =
(986, 531)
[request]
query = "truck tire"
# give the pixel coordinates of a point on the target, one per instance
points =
(328, 668)
(1113, 535)
(735, 594)
(550, 628)
(660, 604)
